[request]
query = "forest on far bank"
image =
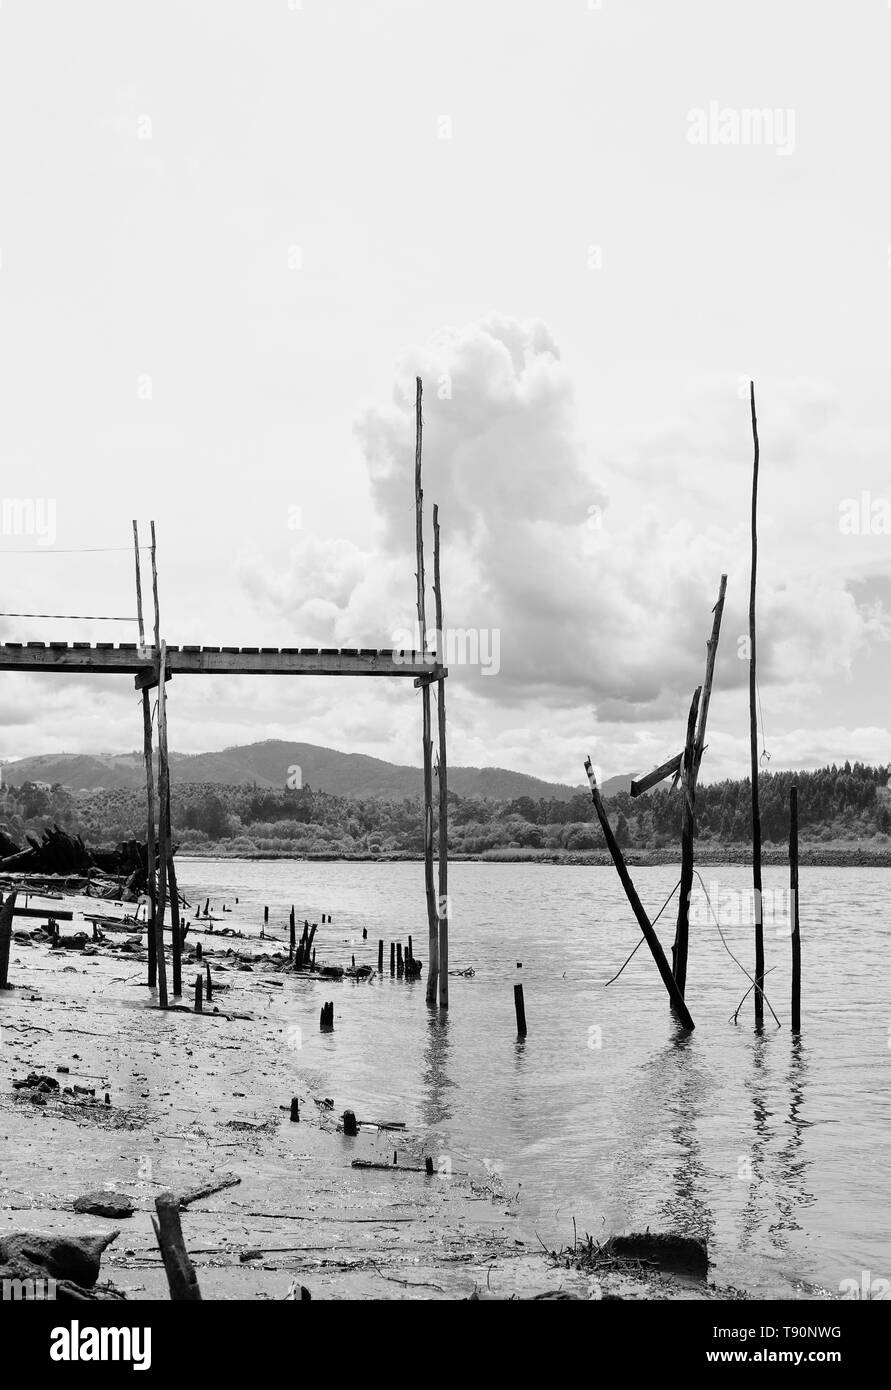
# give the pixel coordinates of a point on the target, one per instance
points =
(848, 804)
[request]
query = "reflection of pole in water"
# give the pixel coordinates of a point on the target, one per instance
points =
(777, 1188)
(434, 1107)
(686, 1210)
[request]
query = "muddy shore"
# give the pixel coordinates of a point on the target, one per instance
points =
(194, 1098)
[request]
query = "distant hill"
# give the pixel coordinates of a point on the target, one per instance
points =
(267, 764)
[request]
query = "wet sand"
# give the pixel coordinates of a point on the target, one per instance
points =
(194, 1098)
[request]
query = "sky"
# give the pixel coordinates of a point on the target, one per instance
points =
(232, 234)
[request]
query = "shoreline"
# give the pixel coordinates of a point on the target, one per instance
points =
(191, 1098)
(809, 856)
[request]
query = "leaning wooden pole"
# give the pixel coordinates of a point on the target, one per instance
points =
(793, 894)
(637, 906)
(688, 831)
(151, 882)
(427, 737)
(691, 761)
(753, 737)
(443, 904)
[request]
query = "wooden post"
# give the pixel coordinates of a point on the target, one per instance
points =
(426, 739)
(209, 990)
(181, 1275)
(295, 1110)
(691, 760)
(7, 911)
(392, 958)
(793, 892)
(293, 936)
(688, 788)
(380, 957)
(199, 994)
(442, 773)
(520, 1008)
(753, 736)
(150, 799)
(637, 907)
(400, 967)
(176, 931)
(350, 1128)
(163, 829)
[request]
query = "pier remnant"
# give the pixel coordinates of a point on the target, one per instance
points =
(793, 893)
(753, 735)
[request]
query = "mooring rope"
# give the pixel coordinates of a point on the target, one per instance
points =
(755, 984)
(643, 938)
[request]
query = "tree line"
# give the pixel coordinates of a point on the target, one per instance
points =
(851, 803)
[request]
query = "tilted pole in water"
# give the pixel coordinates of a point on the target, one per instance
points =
(637, 907)
(690, 764)
(427, 738)
(753, 737)
(442, 773)
(793, 893)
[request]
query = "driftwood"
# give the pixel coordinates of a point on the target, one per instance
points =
(668, 769)
(197, 1194)
(637, 907)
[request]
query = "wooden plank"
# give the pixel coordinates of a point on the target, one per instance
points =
(669, 769)
(106, 660)
(44, 912)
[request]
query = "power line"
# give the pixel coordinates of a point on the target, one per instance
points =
(80, 550)
(74, 617)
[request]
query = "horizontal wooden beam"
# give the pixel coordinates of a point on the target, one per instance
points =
(43, 912)
(105, 658)
(669, 769)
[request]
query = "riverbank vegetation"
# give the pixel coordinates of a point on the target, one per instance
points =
(838, 806)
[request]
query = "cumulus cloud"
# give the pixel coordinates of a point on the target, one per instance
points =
(597, 563)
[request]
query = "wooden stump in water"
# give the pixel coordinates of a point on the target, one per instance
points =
(199, 994)
(520, 1008)
(295, 1110)
(350, 1128)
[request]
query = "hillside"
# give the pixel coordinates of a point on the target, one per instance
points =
(268, 764)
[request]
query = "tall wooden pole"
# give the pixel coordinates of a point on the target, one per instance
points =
(174, 899)
(161, 667)
(690, 764)
(753, 737)
(163, 826)
(150, 792)
(793, 892)
(427, 737)
(443, 782)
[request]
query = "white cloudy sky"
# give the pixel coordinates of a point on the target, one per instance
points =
(159, 164)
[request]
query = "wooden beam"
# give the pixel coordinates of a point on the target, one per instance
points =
(669, 769)
(637, 907)
(106, 659)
